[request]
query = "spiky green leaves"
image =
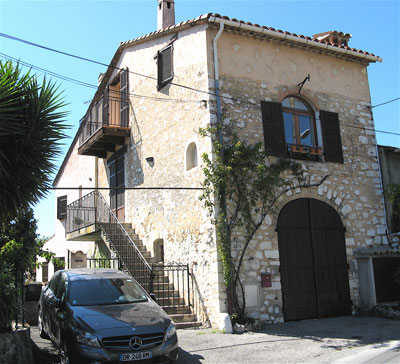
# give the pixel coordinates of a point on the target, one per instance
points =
(31, 128)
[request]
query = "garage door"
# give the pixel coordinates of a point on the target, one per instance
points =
(314, 271)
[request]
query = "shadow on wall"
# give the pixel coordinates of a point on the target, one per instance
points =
(135, 154)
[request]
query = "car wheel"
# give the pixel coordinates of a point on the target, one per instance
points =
(65, 354)
(42, 333)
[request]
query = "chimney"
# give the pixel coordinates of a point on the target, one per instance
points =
(333, 36)
(165, 14)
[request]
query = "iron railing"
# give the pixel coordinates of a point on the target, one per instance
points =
(105, 112)
(93, 209)
(113, 263)
(81, 213)
(171, 284)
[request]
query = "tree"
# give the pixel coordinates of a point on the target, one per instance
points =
(241, 187)
(31, 127)
(19, 247)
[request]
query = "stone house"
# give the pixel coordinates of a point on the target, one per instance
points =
(138, 145)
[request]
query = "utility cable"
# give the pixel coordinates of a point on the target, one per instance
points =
(136, 73)
(387, 102)
(82, 83)
(85, 84)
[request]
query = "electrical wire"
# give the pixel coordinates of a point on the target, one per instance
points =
(146, 76)
(85, 84)
(136, 73)
(387, 102)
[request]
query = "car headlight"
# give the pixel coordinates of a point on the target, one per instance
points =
(171, 330)
(86, 338)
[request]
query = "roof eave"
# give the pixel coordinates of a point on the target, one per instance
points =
(296, 39)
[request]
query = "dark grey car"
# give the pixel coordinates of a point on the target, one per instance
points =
(104, 316)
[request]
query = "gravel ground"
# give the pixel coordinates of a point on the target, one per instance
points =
(311, 341)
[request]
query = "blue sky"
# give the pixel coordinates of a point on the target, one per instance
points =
(94, 28)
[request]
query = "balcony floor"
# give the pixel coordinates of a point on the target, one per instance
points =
(104, 140)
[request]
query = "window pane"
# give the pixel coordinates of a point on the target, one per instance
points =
(290, 130)
(286, 102)
(105, 292)
(306, 132)
(298, 104)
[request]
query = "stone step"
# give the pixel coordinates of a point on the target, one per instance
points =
(171, 310)
(169, 301)
(186, 325)
(184, 317)
(127, 225)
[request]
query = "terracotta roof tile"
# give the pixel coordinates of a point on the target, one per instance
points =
(206, 17)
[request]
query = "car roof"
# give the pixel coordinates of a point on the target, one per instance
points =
(78, 274)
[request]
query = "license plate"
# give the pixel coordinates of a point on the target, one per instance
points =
(136, 356)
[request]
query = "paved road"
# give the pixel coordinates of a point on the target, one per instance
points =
(342, 340)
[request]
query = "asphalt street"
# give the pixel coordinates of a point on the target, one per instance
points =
(341, 340)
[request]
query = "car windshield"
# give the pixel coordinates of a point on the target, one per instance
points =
(105, 291)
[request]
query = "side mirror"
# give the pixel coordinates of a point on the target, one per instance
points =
(153, 296)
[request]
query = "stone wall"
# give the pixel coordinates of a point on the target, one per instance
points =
(15, 347)
(353, 189)
(163, 125)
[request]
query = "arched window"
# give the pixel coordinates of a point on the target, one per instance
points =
(191, 156)
(299, 122)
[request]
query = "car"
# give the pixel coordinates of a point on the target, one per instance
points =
(97, 315)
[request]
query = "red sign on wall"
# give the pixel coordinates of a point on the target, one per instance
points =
(266, 280)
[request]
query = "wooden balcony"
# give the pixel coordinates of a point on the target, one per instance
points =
(106, 125)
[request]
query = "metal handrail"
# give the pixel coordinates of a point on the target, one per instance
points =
(121, 227)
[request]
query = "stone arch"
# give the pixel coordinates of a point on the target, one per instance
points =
(322, 194)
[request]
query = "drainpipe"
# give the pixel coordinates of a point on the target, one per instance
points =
(217, 87)
(222, 206)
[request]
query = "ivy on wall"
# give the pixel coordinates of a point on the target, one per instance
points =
(241, 187)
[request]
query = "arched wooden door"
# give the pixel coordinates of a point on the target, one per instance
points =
(313, 262)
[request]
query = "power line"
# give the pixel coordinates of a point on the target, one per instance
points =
(136, 73)
(85, 84)
(150, 77)
(387, 102)
(106, 65)
(370, 129)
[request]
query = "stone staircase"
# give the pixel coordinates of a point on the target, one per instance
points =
(167, 296)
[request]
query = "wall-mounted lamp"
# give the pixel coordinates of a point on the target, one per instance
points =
(150, 161)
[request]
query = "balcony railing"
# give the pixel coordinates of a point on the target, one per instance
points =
(105, 125)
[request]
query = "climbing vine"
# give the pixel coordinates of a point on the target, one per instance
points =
(241, 187)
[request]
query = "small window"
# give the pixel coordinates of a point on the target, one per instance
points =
(62, 207)
(290, 130)
(191, 156)
(164, 67)
(299, 123)
(45, 272)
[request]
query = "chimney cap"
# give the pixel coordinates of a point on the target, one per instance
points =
(334, 36)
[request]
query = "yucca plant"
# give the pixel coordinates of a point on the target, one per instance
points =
(31, 129)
